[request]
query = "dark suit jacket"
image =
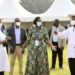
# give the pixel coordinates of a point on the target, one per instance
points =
(12, 43)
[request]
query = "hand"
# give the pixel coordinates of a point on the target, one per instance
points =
(5, 41)
(23, 46)
(53, 48)
(8, 38)
(62, 48)
(11, 47)
(56, 32)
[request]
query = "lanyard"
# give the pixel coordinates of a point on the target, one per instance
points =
(36, 35)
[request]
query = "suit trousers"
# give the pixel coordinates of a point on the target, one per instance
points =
(2, 73)
(59, 52)
(19, 55)
(71, 62)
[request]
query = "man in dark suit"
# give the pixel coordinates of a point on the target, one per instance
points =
(18, 37)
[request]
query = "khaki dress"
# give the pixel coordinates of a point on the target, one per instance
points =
(37, 60)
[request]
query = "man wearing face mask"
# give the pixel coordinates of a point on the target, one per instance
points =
(70, 35)
(59, 43)
(18, 36)
(72, 22)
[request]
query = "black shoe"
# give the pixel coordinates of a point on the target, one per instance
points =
(61, 68)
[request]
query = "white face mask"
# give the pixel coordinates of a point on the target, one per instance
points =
(72, 22)
(0, 24)
(39, 24)
(18, 23)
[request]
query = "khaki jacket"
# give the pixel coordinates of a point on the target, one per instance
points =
(61, 42)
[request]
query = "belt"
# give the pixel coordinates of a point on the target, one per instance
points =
(18, 44)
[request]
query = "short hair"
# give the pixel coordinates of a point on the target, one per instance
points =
(17, 20)
(35, 20)
(56, 21)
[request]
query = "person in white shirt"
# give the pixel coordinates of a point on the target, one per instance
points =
(59, 43)
(4, 62)
(70, 35)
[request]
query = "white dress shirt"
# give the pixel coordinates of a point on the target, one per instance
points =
(55, 36)
(17, 35)
(70, 35)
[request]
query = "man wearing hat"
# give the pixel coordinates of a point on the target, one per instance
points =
(18, 37)
(70, 35)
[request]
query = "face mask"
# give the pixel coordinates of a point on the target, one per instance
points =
(18, 23)
(0, 24)
(72, 22)
(39, 24)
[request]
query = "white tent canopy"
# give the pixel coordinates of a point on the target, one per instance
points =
(61, 9)
(10, 9)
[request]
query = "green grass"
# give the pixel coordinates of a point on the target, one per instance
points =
(57, 71)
